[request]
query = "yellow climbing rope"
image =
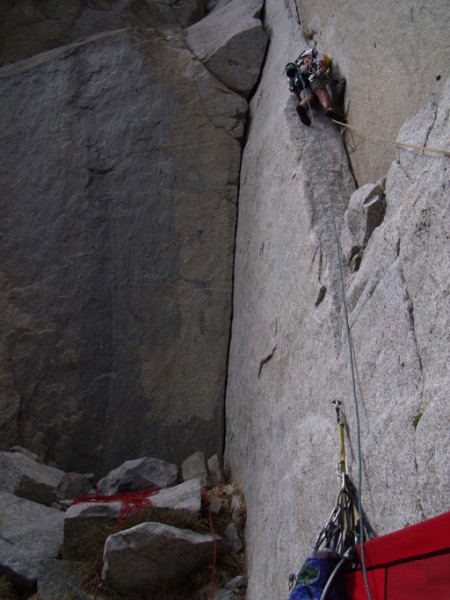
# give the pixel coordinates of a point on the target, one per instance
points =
(391, 141)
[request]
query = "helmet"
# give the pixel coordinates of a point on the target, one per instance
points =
(311, 53)
(291, 69)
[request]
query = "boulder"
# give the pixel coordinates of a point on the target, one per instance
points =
(27, 452)
(151, 554)
(74, 485)
(231, 42)
(195, 467)
(233, 538)
(138, 474)
(81, 517)
(238, 584)
(24, 477)
(364, 214)
(186, 496)
(29, 533)
(215, 472)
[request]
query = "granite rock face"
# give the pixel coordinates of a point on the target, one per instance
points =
(119, 174)
(29, 27)
(289, 356)
(119, 195)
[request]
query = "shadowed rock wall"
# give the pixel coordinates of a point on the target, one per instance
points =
(120, 161)
(28, 27)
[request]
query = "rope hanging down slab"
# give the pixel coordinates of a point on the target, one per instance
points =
(351, 351)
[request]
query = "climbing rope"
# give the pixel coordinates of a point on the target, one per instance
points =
(386, 140)
(130, 501)
(351, 352)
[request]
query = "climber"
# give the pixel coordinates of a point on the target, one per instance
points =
(308, 77)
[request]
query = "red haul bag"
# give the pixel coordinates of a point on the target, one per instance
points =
(410, 564)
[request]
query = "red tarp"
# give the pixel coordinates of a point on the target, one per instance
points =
(410, 564)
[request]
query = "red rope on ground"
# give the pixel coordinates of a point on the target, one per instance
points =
(131, 501)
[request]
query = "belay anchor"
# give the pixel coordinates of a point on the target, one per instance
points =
(320, 577)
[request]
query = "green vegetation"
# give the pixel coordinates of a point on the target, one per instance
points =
(416, 419)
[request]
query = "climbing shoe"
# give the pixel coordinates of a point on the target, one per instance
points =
(332, 114)
(304, 118)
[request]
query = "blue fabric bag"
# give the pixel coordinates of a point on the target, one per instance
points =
(310, 581)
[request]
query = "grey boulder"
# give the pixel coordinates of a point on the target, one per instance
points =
(24, 477)
(195, 467)
(364, 214)
(81, 517)
(151, 554)
(231, 42)
(138, 474)
(29, 533)
(186, 496)
(215, 472)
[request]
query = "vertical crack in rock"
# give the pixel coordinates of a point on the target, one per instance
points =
(418, 498)
(411, 318)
